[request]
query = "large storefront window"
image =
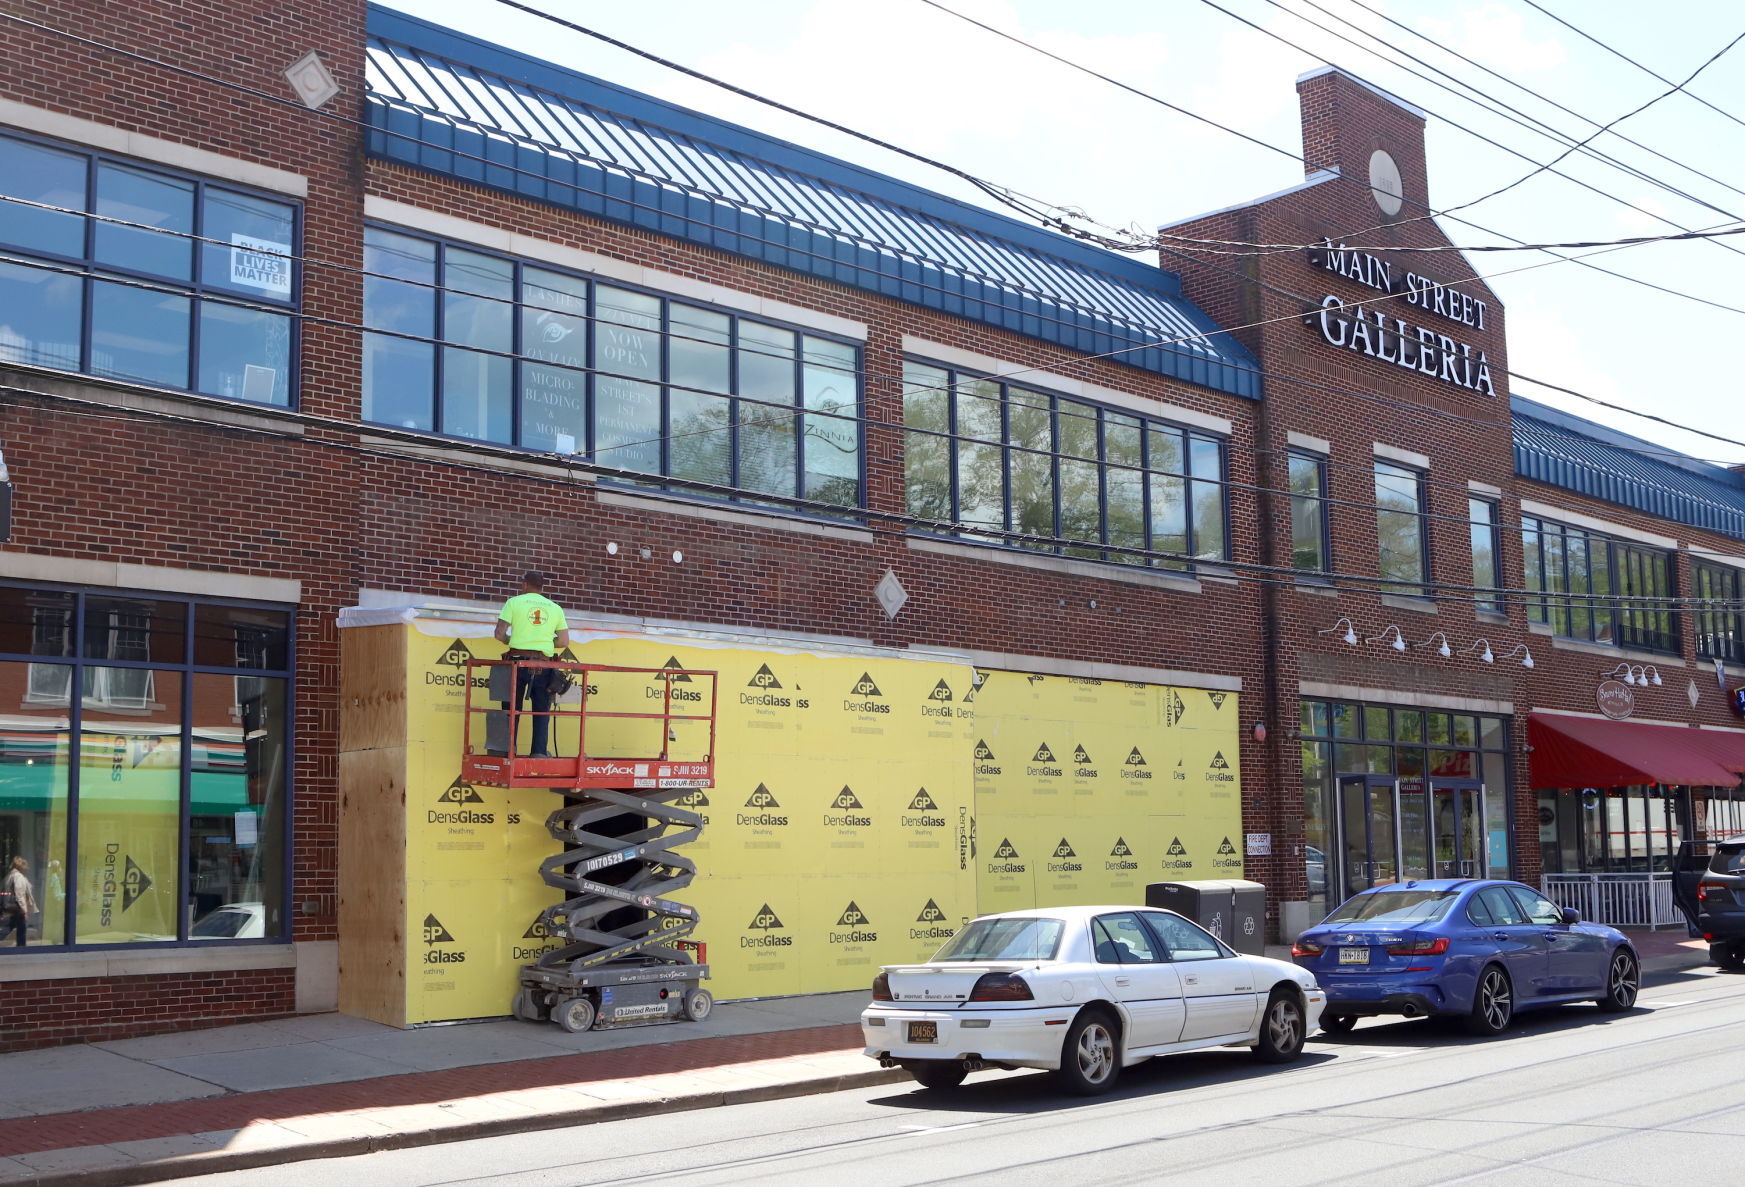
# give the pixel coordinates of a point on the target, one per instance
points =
(1614, 830)
(143, 297)
(488, 348)
(1586, 579)
(1025, 468)
(1392, 793)
(150, 806)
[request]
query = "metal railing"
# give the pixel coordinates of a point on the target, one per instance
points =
(1623, 900)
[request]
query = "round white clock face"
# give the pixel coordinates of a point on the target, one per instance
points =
(1384, 183)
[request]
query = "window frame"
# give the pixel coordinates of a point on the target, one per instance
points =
(1713, 581)
(1323, 514)
(1491, 526)
(1007, 535)
(184, 667)
(1412, 587)
(89, 269)
(1548, 545)
(790, 501)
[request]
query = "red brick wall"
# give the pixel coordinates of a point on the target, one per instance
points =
(50, 1013)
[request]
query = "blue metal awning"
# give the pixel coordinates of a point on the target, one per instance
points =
(1561, 450)
(453, 105)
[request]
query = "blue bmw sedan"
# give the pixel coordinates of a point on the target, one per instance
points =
(1475, 949)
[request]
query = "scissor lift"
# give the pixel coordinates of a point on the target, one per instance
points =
(628, 959)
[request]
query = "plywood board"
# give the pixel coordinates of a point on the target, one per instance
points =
(372, 685)
(373, 948)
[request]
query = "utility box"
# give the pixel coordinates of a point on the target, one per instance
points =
(1232, 909)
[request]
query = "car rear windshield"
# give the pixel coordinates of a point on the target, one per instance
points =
(1395, 906)
(1729, 859)
(1004, 939)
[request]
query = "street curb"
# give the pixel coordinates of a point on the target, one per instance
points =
(188, 1165)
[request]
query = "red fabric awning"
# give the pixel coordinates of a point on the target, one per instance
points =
(1588, 752)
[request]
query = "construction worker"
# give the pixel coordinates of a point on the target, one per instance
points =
(534, 627)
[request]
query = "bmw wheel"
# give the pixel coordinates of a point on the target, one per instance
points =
(1281, 1030)
(1493, 1003)
(1090, 1057)
(1623, 980)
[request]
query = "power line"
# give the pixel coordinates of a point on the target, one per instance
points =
(1626, 57)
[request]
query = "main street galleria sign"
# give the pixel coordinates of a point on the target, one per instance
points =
(1394, 339)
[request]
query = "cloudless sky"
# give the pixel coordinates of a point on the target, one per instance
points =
(917, 77)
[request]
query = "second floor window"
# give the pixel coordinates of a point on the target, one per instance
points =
(1399, 527)
(1309, 535)
(1482, 514)
(1720, 622)
(148, 302)
(1018, 466)
(486, 348)
(1587, 579)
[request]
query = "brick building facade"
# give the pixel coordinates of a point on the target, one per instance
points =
(1064, 466)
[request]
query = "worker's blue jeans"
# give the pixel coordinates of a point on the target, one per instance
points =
(538, 681)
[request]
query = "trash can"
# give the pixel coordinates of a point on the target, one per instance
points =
(1232, 909)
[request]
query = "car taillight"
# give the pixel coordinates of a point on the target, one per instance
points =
(1434, 947)
(882, 988)
(1001, 987)
(1304, 948)
(1714, 892)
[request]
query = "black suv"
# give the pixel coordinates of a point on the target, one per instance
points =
(1708, 884)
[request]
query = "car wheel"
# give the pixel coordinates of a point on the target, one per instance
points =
(1730, 956)
(574, 1014)
(696, 1005)
(1281, 1030)
(1090, 1057)
(1493, 1003)
(939, 1077)
(1623, 981)
(1337, 1024)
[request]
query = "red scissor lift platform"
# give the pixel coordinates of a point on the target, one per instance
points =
(627, 959)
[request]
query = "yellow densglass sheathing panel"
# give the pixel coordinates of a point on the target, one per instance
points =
(864, 807)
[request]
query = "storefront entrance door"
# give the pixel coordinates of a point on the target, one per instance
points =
(1369, 836)
(1457, 828)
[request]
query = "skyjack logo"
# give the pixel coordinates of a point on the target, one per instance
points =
(763, 678)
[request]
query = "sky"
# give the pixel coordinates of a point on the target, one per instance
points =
(910, 74)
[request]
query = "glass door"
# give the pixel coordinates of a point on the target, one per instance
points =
(1457, 837)
(1369, 832)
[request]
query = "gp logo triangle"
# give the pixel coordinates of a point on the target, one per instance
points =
(1064, 849)
(763, 678)
(1176, 848)
(435, 933)
(1081, 756)
(930, 913)
(846, 799)
(1218, 699)
(1120, 849)
(134, 883)
(763, 797)
(1134, 758)
(941, 691)
(866, 686)
(677, 669)
(923, 802)
(764, 920)
(983, 753)
(852, 916)
(538, 930)
(1043, 754)
(1226, 849)
(1006, 850)
(460, 792)
(455, 655)
(1218, 763)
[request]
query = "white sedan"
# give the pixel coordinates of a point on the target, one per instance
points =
(1083, 992)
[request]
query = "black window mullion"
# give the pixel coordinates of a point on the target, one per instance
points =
(663, 448)
(733, 404)
(184, 839)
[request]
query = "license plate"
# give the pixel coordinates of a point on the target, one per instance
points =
(923, 1032)
(1354, 956)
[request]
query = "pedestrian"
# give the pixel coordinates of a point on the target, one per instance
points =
(20, 900)
(534, 627)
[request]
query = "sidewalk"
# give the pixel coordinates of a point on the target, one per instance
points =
(321, 1086)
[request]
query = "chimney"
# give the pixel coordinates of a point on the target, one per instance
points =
(1366, 135)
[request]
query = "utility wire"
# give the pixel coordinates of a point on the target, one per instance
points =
(1626, 57)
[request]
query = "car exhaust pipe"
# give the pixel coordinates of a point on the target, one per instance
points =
(1410, 1009)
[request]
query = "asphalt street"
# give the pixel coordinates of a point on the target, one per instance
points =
(1651, 1097)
